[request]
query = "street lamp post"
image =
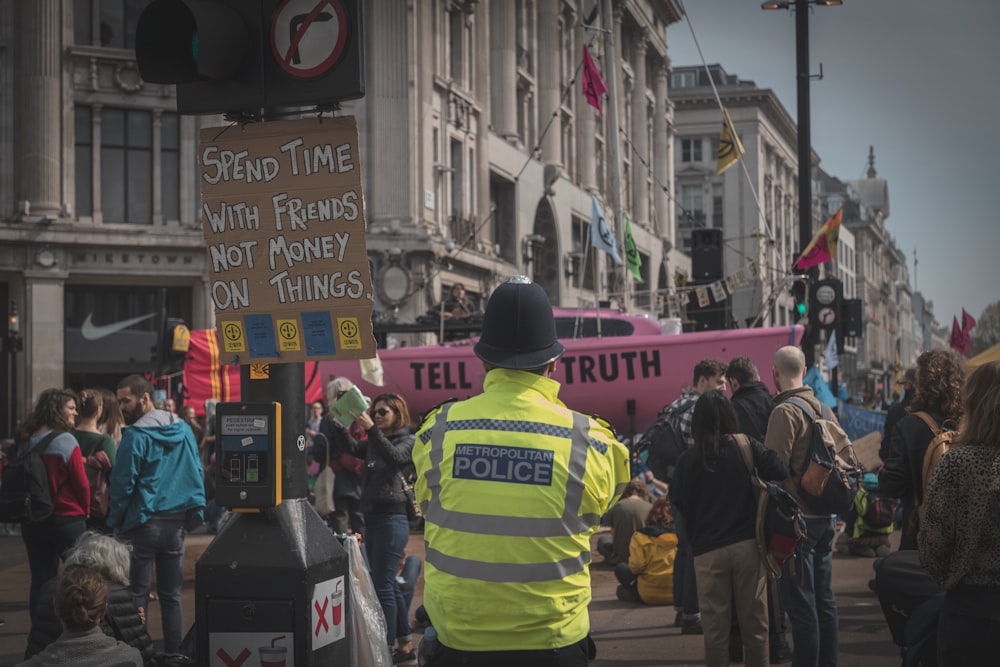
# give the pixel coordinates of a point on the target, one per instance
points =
(802, 77)
(12, 345)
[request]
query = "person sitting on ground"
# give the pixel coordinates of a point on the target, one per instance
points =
(640, 471)
(81, 603)
(108, 557)
(648, 576)
(625, 517)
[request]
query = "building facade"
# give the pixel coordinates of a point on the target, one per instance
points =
(757, 209)
(480, 159)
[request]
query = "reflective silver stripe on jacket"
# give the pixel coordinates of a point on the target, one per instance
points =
(569, 524)
(506, 572)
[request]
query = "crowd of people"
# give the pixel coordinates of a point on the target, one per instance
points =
(512, 485)
(125, 481)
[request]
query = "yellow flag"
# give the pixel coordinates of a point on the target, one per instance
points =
(730, 147)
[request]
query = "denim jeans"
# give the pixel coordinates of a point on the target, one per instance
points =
(409, 574)
(807, 594)
(160, 541)
(385, 539)
(685, 584)
(46, 542)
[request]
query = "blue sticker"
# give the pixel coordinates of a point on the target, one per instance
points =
(317, 329)
(260, 336)
(497, 463)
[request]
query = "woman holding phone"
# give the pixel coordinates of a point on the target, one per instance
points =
(387, 453)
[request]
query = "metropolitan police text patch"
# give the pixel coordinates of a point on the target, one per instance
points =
(496, 463)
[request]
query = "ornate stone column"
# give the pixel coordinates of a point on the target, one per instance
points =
(39, 91)
(549, 91)
(662, 176)
(586, 127)
(640, 198)
(503, 70)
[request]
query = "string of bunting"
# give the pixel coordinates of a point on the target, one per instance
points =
(703, 296)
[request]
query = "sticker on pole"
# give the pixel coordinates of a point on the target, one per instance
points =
(308, 36)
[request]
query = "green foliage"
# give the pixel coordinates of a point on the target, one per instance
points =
(986, 333)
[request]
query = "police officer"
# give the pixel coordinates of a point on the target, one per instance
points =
(513, 484)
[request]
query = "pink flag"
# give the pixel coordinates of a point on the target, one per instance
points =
(823, 246)
(593, 85)
(968, 324)
(957, 340)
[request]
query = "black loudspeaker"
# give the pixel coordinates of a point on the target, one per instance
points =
(706, 255)
(706, 268)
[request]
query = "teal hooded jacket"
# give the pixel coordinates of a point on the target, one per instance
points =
(156, 471)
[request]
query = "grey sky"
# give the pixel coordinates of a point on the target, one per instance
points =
(917, 79)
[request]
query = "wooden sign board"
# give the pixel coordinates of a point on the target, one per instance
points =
(284, 223)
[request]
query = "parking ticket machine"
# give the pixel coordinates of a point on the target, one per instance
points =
(248, 455)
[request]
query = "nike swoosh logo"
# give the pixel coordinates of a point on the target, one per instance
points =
(91, 331)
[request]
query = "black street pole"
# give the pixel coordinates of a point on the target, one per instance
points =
(805, 155)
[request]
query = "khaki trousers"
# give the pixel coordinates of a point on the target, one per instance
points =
(733, 575)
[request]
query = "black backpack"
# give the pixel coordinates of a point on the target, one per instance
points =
(665, 444)
(25, 496)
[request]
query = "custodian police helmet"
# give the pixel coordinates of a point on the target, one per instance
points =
(519, 332)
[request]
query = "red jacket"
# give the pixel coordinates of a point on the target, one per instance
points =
(67, 477)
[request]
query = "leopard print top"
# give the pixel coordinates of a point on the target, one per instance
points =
(960, 535)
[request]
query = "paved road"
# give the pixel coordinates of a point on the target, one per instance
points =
(627, 635)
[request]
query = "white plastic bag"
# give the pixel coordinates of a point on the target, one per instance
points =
(365, 622)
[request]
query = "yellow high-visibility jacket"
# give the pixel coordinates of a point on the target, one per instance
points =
(512, 484)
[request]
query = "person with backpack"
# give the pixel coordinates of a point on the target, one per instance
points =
(752, 402)
(666, 440)
(806, 584)
(938, 402)
(47, 540)
(712, 487)
(960, 532)
(98, 451)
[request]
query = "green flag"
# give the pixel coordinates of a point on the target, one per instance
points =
(632, 259)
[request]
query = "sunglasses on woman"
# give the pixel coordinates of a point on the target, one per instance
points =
(382, 412)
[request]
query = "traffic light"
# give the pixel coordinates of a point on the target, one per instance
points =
(852, 319)
(825, 308)
(232, 56)
(800, 293)
(175, 338)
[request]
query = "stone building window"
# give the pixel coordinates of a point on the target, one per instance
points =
(691, 150)
(109, 23)
(120, 150)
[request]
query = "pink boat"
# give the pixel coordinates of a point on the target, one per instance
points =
(627, 375)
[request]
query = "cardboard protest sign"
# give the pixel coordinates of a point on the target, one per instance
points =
(284, 223)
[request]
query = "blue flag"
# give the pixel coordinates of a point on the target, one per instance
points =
(820, 389)
(600, 234)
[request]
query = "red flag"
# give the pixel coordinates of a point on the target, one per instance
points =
(823, 246)
(968, 324)
(957, 341)
(593, 85)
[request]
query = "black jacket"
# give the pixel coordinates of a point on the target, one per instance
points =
(892, 418)
(347, 485)
(901, 477)
(385, 457)
(718, 506)
(752, 403)
(122, 613)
